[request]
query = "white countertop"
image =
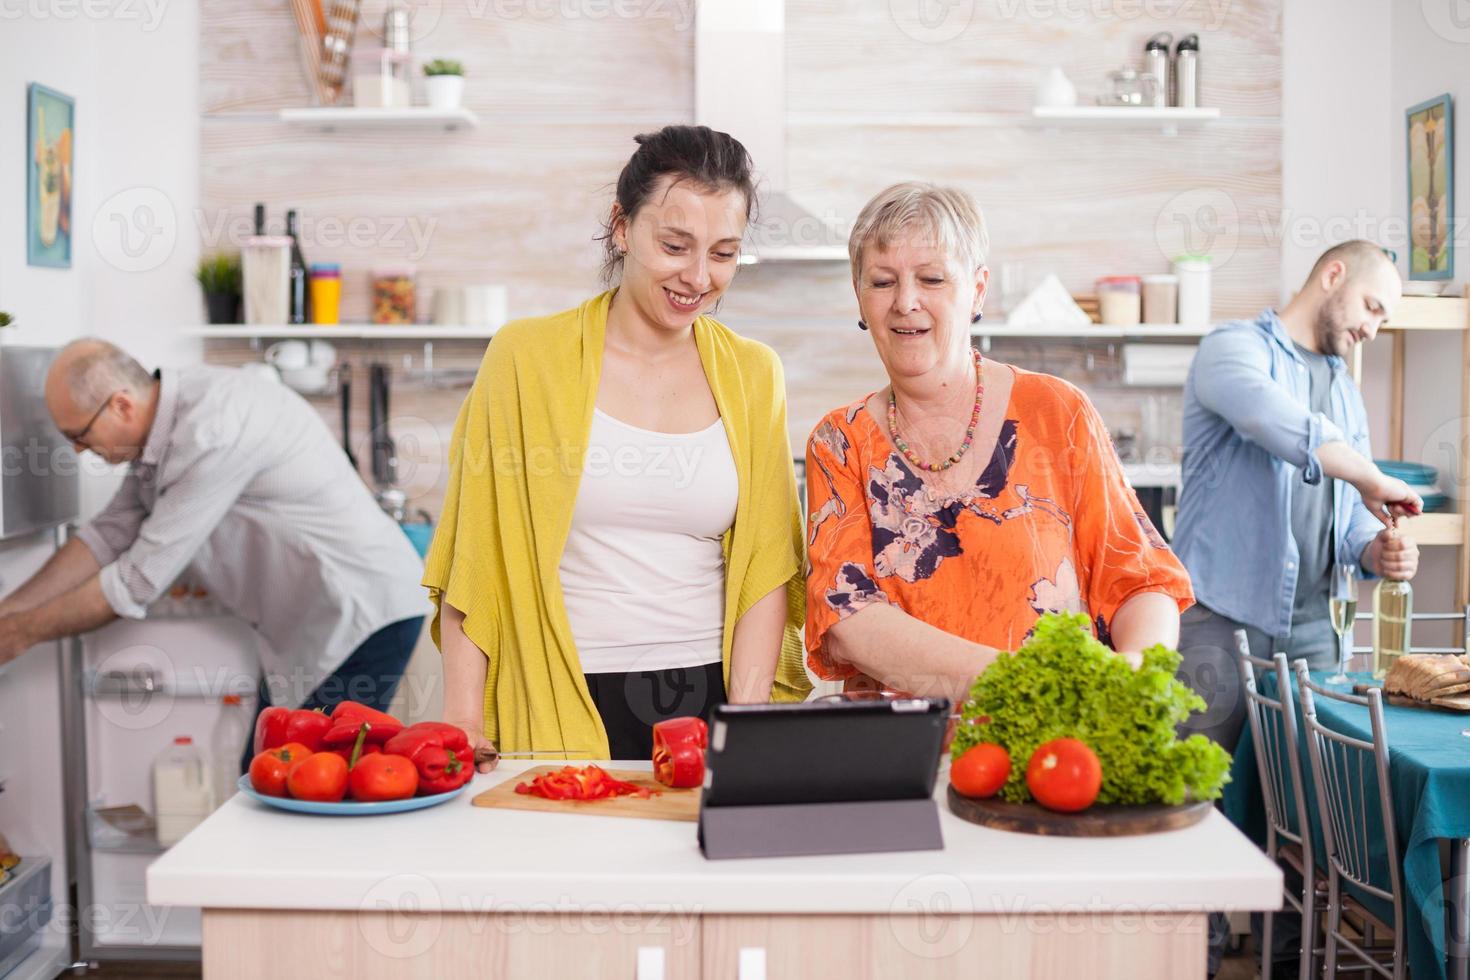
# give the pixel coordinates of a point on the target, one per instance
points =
(461, 858)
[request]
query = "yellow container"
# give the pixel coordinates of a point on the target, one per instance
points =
(326, 294)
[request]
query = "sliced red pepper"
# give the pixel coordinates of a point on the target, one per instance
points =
(678, 751)
(587, 783)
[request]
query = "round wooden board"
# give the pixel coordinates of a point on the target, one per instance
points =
(1095, 821)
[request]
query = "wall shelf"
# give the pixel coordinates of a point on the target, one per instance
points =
(1437, 528)
(1169, 118)
(1093, 331)
(346, 331)
(411, 117)
(1430, 313)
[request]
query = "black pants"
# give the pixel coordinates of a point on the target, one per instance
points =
(630, 703)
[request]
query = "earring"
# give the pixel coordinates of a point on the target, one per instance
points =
(862, 325)
(979, 315)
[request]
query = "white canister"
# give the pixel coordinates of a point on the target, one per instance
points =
(183, 793)
(265, 263)
(484, 306)
(1194, 289)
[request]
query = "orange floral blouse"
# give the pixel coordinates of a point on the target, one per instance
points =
(1051, 525)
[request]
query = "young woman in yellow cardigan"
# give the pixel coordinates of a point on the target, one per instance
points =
(621, 540)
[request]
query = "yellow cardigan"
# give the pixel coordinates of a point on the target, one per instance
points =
(515, 463)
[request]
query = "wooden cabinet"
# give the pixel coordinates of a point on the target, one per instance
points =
(923, 946)
(402, 943)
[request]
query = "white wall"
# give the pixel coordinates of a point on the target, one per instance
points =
(133, 70)
(1351, 68)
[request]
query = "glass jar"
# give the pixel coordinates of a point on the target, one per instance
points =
(380, 79)
(1161, 298)
(326, 293)
(393, 295)
(1119, 301)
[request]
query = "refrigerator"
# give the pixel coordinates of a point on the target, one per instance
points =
(82, 719)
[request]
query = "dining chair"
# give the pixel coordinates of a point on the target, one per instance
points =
(1288, 831)
(1342, 767)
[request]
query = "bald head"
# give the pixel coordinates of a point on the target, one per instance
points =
(1353, 288)
(90, 376)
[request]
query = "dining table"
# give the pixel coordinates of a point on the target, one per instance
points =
(1429, 777)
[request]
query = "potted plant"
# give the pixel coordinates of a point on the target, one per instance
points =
(444, 83)
(6, 319)
(219, 277)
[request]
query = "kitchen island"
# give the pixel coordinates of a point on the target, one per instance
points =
(458, 891)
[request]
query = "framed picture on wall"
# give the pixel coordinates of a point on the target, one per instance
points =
(1431, 172)
(50, 148)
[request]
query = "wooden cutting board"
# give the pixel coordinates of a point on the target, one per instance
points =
(666, 804)
(1095, 821)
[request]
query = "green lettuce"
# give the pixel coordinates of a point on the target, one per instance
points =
(1063, 683)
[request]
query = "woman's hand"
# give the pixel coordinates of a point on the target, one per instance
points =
(487, 756)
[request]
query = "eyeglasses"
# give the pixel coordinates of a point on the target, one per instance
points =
(78, 437)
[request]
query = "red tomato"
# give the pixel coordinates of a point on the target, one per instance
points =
(981, 770)
(381, 777)
(1064, 775)
(321, 777)
(268, 769)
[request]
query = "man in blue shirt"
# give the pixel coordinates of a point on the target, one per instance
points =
(1280, 485)
(1279, 481)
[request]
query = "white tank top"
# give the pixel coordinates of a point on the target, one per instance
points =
(643, 571)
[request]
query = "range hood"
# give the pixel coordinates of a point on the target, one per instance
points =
(740, 89)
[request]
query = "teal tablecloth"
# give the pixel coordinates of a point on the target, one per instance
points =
(1429, 769)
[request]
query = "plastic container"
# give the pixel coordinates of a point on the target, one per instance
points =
(226, 743)
(265, 262)
(183, 793)
(1119, 301)
(1160, 298)
(1194, 289)
(380, 79)
(25, 911)
(393, 295)
(326, 293)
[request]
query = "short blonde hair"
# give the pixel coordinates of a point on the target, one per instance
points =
(947, 213)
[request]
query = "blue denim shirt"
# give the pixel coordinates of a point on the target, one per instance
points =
(1249, 436)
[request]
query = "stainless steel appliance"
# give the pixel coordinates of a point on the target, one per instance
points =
(38, 469)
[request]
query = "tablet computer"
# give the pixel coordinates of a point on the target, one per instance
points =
(824, 751)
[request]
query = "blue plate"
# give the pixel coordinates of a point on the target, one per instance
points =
(346, 808)
(1407, 471)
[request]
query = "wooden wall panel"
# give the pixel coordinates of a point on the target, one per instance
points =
(872, 98)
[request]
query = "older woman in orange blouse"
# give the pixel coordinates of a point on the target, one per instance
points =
(954, 507)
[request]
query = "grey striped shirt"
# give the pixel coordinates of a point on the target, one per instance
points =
(241, 480)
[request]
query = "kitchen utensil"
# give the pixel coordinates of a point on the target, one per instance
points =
(347, 808)
(1127, 87)
(341, 26)
(1099, 820)
(1056, 90)
(1156, 63)
(344, 378)
(1186, 72)
(385, 454)
(667, 804)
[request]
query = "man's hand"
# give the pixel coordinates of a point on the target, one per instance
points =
(1387, 498)
(15, 637)
(1391, 555)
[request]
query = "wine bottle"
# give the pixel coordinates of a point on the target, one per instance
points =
(259, 219)
(299, 303)
(1393, 619)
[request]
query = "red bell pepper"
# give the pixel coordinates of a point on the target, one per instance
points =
(277, 726)
(349, 717)
(587, 783)
(678, 752)
(440, 752)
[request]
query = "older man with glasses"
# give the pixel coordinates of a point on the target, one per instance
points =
(241, 480)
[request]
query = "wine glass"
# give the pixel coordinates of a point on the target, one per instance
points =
(1342, 604)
